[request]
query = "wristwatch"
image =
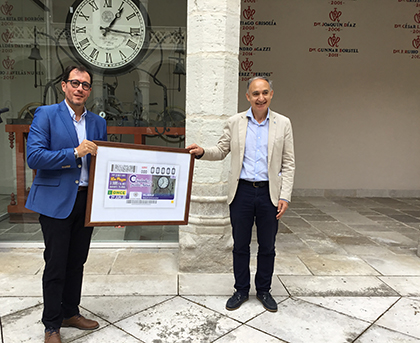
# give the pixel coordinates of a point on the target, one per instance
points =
(76, 155)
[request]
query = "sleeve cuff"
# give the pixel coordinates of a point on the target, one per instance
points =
(199, 156)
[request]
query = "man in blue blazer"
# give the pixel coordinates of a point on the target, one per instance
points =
(59, 147)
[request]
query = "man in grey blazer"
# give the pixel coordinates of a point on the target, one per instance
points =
(260, 186)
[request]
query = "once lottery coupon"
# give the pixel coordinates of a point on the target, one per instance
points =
(141, 184)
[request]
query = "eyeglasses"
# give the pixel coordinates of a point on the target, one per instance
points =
(76, 83)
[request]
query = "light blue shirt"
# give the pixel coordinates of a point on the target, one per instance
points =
(255, 164)
(80, 127)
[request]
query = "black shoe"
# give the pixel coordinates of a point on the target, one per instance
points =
(235, 301)
(267, 300)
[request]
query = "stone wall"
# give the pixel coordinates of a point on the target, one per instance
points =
(205, 244)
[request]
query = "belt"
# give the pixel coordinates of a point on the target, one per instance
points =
(255, 184)
(82, 188)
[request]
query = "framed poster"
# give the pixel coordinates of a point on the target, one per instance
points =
(132, 184)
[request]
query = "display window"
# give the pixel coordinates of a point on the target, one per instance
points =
(136, 51)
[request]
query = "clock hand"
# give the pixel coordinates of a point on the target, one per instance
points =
(117, 16)
(119, 31)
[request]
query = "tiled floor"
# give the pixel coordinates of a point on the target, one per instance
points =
(31, 232)
(347, 270)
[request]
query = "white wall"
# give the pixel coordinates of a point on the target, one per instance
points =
(355, 117)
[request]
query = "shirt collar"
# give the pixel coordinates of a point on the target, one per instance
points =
(73, 114)
(250, 116)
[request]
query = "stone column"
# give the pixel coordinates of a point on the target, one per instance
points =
(211, 97)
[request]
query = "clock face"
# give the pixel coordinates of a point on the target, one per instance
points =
(163, 182)
(109, 35)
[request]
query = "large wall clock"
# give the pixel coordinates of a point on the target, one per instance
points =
(110, 36)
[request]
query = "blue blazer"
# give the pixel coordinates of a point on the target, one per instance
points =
(50, 150)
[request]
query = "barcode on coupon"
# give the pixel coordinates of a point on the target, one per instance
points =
(141, 202)
(123, 168)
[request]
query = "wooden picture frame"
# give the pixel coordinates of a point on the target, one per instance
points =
(133, 184)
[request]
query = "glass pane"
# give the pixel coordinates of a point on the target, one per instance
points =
(136, 50)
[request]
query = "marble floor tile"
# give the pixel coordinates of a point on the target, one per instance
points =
(26, 326)
(365, 211)
(293, 222)
(336, 286)
(365, 308)
(335, 208)
(337, 265)
(395, 264)
(300, 203)
(116, 308)
(366, 250)
(10, 236)
(351, 218)
(390, 238)
(100, 261)
(108, 234)
(178, 320)
(21, 285)
(335, 229)
(291, 244)
(358, 240)
(5, 225)
(289, 264)
(363, 263)
(246, 334)
(283, 228)
(21, 262)
(129, 285)
(26, 228)
(15, 326)
(206, 284)
(309, 211)
(405, 286)
(391, 202)
(137, 262)
(366, 228)
(404, 218)
(318, 218)
(300, 322)
(381, 219)
(386, 210)
(321, 244)
(414, 225)
(404, 250)
(304, 229)
(107, 335)
(377, 334)
(11, 305)
(410, 232)
(319, 202)
(413, 213)
(220, 284)
(403, 317)
(248, 310)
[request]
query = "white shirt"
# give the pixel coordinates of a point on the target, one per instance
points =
(255, 164)
(80, 127)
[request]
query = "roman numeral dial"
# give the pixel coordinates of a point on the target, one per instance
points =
(110, 35)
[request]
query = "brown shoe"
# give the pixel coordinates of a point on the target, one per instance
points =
(80, 322)
(52, 336)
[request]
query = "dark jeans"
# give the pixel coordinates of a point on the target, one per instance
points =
(67, 244)
(253, 204)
